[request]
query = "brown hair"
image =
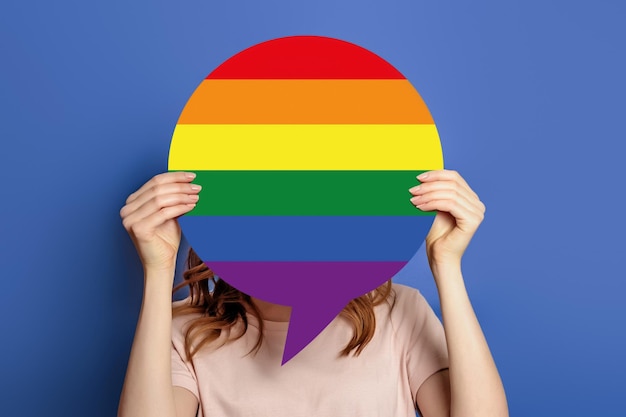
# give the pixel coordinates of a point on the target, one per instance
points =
(224, 306)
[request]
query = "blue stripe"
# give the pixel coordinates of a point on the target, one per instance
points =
(306, 238)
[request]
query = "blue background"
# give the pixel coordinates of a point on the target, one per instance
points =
(528, 97)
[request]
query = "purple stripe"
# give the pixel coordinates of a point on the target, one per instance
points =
(279, 282)
(316, 291)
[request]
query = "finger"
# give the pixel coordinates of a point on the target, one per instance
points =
(145, 228)
(450, 186)
(432, 177)
(161, 179)
(445, 175)
(466, 221)
(458, 206)
(444, 185)
(156, 204)
(448, 195)
(157, 191)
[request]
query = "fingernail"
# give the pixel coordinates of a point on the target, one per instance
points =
(422, 176)
(196, 187)
(194, 197)
(190, 175)
(414, 189)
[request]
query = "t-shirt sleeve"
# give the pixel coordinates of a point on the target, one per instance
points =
(426, 348)
(183, 374)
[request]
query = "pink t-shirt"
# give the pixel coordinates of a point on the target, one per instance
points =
(408, 346)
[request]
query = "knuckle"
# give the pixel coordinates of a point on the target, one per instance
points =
(138, 229)
(160, 200)
(163, 214)
(158, 179)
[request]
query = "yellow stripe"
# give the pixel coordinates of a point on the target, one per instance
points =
(305, 147)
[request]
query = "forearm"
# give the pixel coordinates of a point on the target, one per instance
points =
(147, 390)
(475, 385)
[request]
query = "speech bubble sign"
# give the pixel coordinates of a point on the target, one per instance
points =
(305, 147)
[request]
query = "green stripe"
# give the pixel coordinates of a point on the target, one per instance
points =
(306, 193)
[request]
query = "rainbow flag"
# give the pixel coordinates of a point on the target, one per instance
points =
(305, 147)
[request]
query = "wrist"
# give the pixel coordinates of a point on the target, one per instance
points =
(159, 269)
(446, 266)
(447, 273)
(158, 278)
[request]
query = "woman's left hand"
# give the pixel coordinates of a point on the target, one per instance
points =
(459, 213)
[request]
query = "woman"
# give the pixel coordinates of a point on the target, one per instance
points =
(164, 378)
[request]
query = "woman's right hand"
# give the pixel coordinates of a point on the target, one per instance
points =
(150, 214)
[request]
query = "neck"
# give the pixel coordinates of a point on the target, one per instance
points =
(272, 312)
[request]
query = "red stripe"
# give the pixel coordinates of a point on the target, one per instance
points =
(305, 57)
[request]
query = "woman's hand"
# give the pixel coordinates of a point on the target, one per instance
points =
(459, 213)
(150, 216)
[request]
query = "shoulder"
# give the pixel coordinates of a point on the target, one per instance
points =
(184, 301)
(177, 305)
(410, 310)
(181, 319)
(407, 297)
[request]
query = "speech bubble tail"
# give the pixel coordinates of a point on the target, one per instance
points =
(305, 323)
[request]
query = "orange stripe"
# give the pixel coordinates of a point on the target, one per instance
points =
(305, 102)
